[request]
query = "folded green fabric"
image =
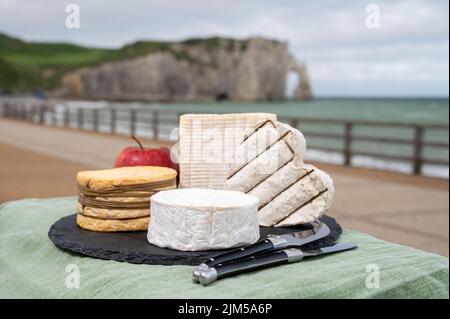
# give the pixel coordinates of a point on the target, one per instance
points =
(32, 267)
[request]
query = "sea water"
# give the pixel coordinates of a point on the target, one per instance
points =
(411, 111)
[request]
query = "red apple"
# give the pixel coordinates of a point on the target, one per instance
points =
(140, 156)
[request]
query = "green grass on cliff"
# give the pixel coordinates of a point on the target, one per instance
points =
(26, 66)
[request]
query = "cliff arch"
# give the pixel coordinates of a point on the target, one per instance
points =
(302, 90)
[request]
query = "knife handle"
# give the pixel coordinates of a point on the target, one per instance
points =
(263, 246)
(248, 264)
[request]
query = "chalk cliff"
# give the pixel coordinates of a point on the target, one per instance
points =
(199, 69)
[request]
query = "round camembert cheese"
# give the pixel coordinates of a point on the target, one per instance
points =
(192, 219)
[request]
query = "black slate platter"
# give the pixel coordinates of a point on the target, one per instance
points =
(133, 247)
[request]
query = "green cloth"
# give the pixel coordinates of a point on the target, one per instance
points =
(32, 267)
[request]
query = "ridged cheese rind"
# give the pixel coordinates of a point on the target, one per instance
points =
(260, 168)
(277, 182)
(317, 207)
(256, 141)
(292, 199)
(289, 191)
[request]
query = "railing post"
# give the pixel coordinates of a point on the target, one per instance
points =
(418, 145)
(41, 113)
(53, 115)
(22, 111)
(32, 113)
(132, 122)
(11, 110)
(17, 111)
(95, 120)
(80, 118)
(155, 124)
(26, 113)
(66, 117)
(294, 123)
(113, 121)
(348, 143)
(8, 110)
(5, 109)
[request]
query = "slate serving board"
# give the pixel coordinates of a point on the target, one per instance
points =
(133, 247)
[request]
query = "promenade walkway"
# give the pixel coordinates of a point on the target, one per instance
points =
(40, 161)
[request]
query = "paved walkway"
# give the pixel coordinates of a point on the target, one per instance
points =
(404, 209)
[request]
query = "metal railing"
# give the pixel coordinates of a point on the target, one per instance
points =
(45, 112)
(418, 142)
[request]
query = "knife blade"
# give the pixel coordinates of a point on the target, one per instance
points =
(272, 243)
(289, 255)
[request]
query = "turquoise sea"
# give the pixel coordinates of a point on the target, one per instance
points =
(413, 111)
(401, 110)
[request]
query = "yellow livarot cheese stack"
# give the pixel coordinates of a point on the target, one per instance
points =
(119, 199)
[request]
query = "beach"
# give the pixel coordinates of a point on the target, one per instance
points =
(42, 161)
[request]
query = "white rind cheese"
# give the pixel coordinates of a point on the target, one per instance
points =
(203, 219)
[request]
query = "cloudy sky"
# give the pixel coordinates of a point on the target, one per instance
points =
(408, 55)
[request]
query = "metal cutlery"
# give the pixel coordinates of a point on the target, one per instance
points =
(290, 255)
(270, 244)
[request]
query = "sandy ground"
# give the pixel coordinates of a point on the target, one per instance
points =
(25, 174)
(38, 161)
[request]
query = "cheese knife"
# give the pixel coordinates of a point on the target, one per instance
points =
(271, 243)
(289, 255)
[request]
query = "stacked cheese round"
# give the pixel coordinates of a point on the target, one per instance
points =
(193, 219)
(119, 199)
